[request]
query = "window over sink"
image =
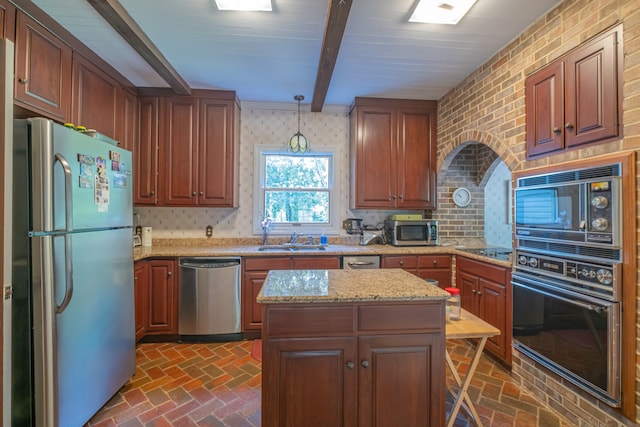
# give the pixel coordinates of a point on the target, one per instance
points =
(297, 192)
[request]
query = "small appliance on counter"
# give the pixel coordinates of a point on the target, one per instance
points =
(417, 232)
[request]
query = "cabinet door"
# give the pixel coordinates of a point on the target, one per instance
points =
(416, 159)
(95, 97)
(141, 296)
(145, 153)
(179, 151)
(544, 98)
(252, 311)
(43, 70)
(374, 151)
(591, 92)
(126, 118)
(492, 309)
(7, 20)
(163, 303)
(387, 364)
(314, 383)
(468, 284)
(216, 153)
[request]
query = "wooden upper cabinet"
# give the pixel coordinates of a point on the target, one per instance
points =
(576, 100)
(42, 70)
(95, 98)
(7, 20)
(393, 147)
(218, 146)
(178, 150)
(126, 118)
(145, 152)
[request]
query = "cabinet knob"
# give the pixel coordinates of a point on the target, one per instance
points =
(556, 129)
(435, 262)
(350, 364)
(169, 274)
(401, 197)
(193, 194)
(394, 197)
(152, 192)
(568, 126)
(479, 293)
(401, 262)
(135, 278)
(23, 81)
(365, 363)
(473, 291)
(201, 193)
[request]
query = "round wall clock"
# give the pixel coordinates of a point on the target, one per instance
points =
(461, 197)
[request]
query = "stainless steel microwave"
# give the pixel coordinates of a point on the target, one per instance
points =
(422, 232)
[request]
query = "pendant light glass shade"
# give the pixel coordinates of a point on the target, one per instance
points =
(298, 142)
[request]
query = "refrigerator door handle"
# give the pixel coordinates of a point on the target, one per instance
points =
(68, 265)
(68, 204)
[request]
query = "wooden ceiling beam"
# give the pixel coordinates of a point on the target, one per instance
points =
(113, 12)
(333, 32)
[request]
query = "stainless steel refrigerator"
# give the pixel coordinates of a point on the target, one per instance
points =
(73, 343)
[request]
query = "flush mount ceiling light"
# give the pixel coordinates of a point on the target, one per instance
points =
(441, 11)
(298, 142)
(245, 5)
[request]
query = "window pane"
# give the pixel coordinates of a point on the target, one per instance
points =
(283, 171)
(297, 206)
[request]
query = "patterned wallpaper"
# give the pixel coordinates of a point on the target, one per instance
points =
(272, 124)
(497, 207)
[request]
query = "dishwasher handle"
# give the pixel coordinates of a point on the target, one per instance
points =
(209, 263)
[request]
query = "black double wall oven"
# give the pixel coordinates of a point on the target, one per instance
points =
(567, 276)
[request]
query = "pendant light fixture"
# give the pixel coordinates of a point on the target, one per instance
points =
(298, 142)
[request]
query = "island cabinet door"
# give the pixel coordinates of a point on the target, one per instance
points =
(397, 384)
(314, 382)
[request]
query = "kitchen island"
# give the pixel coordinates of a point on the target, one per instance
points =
(345, 348)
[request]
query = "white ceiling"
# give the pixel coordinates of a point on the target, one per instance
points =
(274, 56)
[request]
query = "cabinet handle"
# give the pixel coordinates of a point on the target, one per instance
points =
(556, 129)
(393, 197)
(568, 126)
(23, 81)
(401, 197)
(365, 363)
(350, 364)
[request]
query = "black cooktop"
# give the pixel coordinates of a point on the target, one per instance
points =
(502, 254)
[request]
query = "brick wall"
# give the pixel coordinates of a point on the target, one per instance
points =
(489, 107)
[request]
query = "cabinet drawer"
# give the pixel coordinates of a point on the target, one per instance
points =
(434, 261)
(308, 320)
(315, 263)
(401, 317)
(399, 262)
(482, 269)
(267, 263)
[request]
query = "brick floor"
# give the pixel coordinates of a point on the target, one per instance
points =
(218, 384)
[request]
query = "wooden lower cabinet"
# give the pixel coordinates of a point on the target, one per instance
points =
(366, 366)
(156, 297)
(437, 267)
(254, 273)
(485, 290)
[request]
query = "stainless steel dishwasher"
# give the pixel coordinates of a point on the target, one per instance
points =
(209, 299)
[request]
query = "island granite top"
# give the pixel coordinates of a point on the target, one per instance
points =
(334, 286)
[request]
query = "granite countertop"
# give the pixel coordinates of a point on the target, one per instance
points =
(334, 286)
(201, 247)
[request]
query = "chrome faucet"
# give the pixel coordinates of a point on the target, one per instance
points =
(294, 237)
(266, 223)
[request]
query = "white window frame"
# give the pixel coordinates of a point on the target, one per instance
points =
(332, 228)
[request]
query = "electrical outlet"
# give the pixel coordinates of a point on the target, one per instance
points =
(209, 231)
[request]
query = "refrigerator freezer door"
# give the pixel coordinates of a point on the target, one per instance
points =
(92, 345)
(70, 169)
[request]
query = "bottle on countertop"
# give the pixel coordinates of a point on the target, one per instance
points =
(453, 303)
(323, 238)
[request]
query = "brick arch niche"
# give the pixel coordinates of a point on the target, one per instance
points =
(470, 162)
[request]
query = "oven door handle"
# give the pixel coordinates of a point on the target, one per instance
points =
(590, 307)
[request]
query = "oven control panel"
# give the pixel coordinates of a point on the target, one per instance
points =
(567, 269)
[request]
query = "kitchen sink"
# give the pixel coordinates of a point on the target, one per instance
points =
(292, 247)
